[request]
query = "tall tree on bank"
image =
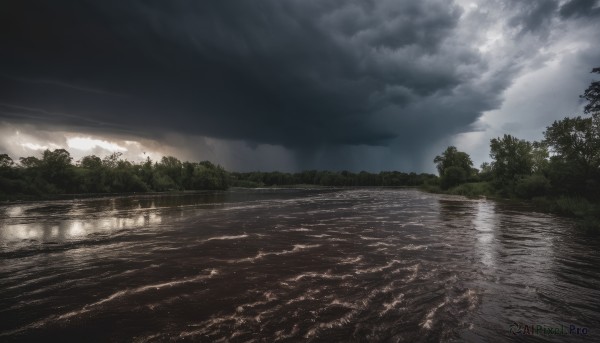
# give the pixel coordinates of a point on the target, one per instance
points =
(512, 159)
(575, 146)
(454, 166)
(592, 95)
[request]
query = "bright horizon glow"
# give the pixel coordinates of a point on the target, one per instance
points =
(88, 143)
(33, 146)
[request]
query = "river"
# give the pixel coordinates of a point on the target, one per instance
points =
(391, 265)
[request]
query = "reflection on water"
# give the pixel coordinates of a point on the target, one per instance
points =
(297, 265)
(54, 222)
(485, 223)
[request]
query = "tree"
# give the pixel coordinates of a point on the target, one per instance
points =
(485, 172)
(57, 170)
(92, 175)
(454, 166)
(512, 159)
(111, 160)
(29, 162)
(575, 140)
(592, 94)
(453, 176)
(539, 156)
(172, 168)
(454, 158)
(575, 144)
(91, 162)
(6, 161)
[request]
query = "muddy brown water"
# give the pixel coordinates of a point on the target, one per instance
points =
(391, 265)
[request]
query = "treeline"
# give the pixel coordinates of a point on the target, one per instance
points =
(562, 170)
(55, 173)
(329, 178)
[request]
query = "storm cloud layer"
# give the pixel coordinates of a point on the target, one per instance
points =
(316, 78)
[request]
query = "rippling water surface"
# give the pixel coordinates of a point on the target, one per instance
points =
(293, 265)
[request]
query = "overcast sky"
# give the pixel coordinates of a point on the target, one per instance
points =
(290, 84)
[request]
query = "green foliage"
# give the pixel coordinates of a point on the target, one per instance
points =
(532, 186)
(574, 206)
(161, 182)
(246, 184)
(576, 140)
(485, 173)
(574, 168)
(539, 157)
(513, 159)
(568, 206)
(54, 173)
(455, 167)
(330, 179)
(453, 176)
(5, 161)
(454, 158)
(473, 189)
(592, 95)
(560, 174)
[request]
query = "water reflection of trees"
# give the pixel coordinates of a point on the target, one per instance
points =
(55, 222)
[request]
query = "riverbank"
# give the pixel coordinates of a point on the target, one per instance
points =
(585, 212)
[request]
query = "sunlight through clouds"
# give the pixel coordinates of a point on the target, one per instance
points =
(87, 143)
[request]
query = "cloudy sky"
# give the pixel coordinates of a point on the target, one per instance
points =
(290, 84)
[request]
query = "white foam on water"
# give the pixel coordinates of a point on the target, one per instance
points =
(369, 238)
(141, 289)
(320, 236)
(413, 247)
(280, 335)
(241, 308)
(302, 229)
(338, 302)
(223, 238)
(351, 260)
(336, 239)
(377, 269)
(122, 293)
(269, 296)
(470, 296)
(308, 295)
(415, 272)
(428, 321)
(147, 338)
(338, 231)
(325, 275)
(356, 308)
(398, 299)
(296, 248)
(213, 326)
(382, 244)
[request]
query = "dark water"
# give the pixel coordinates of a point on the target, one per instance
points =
(294, 265)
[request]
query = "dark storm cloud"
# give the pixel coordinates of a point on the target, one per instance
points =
(291, 73)
(303, 74)
(533, 16)
(580, 8)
